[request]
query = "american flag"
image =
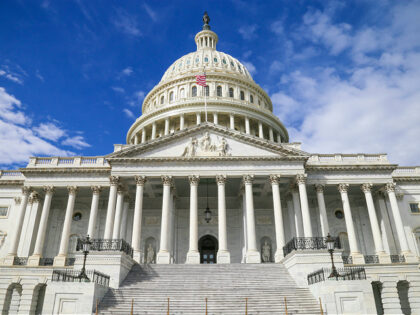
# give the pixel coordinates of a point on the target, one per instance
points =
(201, 79)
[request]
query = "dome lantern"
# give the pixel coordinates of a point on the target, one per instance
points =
(206, 39)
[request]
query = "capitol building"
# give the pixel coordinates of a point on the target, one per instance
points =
(210, 208)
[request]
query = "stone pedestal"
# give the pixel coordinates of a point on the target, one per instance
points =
(193, 258)
(223, 257)
(253, 257)
(138, 256)
(163, 257)
(278, 256)
(34, 260)
(358, 258)
(384, 258)
(410, 257)
(8, 260)
(60, 261)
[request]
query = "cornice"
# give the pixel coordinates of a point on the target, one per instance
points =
(12, 182)
(322, 168)
(406, 179)
(72, 170)
(207, 159)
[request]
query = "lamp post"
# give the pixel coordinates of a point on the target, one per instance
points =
(86, 247)
(207, 213)
(330, 246)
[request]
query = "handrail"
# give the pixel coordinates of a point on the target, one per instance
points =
(347, 273)
(107, 245)
(308, 243)
(71, 275)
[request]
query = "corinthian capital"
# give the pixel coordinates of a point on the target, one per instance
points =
(301, 179)
(26, 190)
(367, 187)
(96, 189)
(34, 197)
(114, 180)
(49, 189)
(72, 190)
(167, 180)
(220, 179)
(140, 180)
(248, 179)
(18, 200)
(194, 179)
(319, 188)
(343, 188)
(274, 179)
(390, 187)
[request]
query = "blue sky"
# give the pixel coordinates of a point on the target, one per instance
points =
(343, 76)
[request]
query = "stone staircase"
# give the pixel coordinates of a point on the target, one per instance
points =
(225, 287)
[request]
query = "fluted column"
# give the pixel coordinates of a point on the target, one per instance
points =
(247, 129)
(118, 213)
(389, 296)
(137, 220)
(164, 256)
(260, 130)
(252, 254)
(198, 117)
(143, 135)
(215, 118)
(297, 211)
(154, 130)
(271, 134)
(166, 126)
(193, 256)
(405, 250)
(306, 217)
(223, 255)
(110, 213)
(42, 227)
(376, 231)
(278, 217)
(232, 121)
(325, 229)
(123, 230)
(181, 122)
(354, 248)
(96, 191)
(60, 259)
(14, 244)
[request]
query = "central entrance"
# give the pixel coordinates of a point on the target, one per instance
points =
(208, 246)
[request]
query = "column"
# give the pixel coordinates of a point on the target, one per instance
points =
(154, 130)
(278, 138)
(96, 191)
(181, 122)
(354, 248)
(164, 256)
(223, 255)
(123, 230)
(278, 217)
(389, 295)
(247, 130)
(118, 213)
(14, 244)
(271, 134)
(244, 225)
(42, 228)
(215, 119)
(198, 117)
(376, 231)
(60, 259)
(306, 218)
(136, 140)
(291, 216)
(110, 213)
(387, 235)
(232, 121)
(260, 130)
(143, 135)
(252, 254)
(325, 229)
(166, 126)
(405, 250)
(138, 214)
(193, 256)
(414, 292)
(297, 211)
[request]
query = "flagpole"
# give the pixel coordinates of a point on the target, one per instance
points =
(205, 94)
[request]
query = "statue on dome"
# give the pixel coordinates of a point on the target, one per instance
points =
(206, 21)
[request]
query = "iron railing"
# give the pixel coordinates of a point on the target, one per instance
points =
(308, 243)
(397, 259)
(71, 275)
(98, 244)
(347, 260)
(20, 261)
(354, 273)
(371, 259)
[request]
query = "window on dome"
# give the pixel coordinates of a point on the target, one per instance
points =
(240, 69)
(182, 93)
(180, 65)
(232, 64)
(242, 95)
(219, 91)
(224, 61)
(171, 97)
(188, 61)
(207, 90)
(197, 60)
(230, 92)
(206, 59)
(194, 91)
(215, 59)
(162, 99)
(251, 99)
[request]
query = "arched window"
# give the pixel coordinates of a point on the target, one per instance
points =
(207, 90)
(219, 91)
(242, 95)
(162, 99)
(206, 59)
(230, 92)
(171, 97)
(251, 99)
(194, 91)
(182, 93)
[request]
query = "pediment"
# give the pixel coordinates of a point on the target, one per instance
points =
(208, 141)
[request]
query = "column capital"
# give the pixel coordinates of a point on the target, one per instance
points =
(293, 188)
(343, 188)
(34, 197)
(26, 190)
(18, 200)
(114, 180)
(120, 189)
(221, 179)
(248, 179)
(140, 180)
(166, 180)
(72, 190)
(96, 189)
(194, 179)
(399, 194)
(301, 179)
(49, 189)
(366, 187)
(274, 179)
(319, 188)
(390, 187)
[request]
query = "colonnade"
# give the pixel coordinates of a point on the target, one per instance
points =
(116, 219)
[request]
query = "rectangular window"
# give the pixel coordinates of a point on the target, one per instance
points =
(414, 207)
(4, 211)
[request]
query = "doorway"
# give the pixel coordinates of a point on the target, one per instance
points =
(208, 246)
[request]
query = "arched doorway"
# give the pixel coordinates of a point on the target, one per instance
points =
(208, 246)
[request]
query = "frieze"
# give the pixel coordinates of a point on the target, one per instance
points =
(206, 146)
(152, 220)
(263, 220)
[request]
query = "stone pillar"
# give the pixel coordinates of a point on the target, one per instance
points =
(118, 213)
(291, 216)
(247, 129)
(96, 191)
(354, 248)
(137, 220)
(143, 135)
(198, 117)
(164, 256)
(232, 121)
(215, 119)
(278, 138)
(389, 295)
(154, 130)
(278, 217)
(223, 254)
(181, 122)
(271, 134)
(167, 126)
(297, 211)
(42, 228)
(110, 213)
(14, 244)
(60, 259)
(405, 250)
(252, 254)
(260, 130)
(414, 293)
(244, 225)
(376, 232)
(123, 230)
(325, 229)
(136, 140)
(306, 217)
(193, 255)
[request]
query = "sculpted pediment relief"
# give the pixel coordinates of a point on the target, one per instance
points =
(206, 146)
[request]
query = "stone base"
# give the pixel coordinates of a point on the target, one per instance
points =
(193, 258)
(34, 260)
(223, 257)
(278, 256)
(358, 258)
(384, 258)
(8, 260)
(59, 261)
(163, 257)
(138, 256)
(253, 257)
(410, 257)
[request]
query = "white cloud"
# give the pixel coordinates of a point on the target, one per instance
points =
(248, 31)
(127, 71)
(11, 76)
(49, 131)
(9, 109)
(277, 27)
(76, 142)
(127, 23)
(250, 66)
(129, 113)
(152, 14)
(118, 89)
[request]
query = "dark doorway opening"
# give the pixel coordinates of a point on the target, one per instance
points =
(208, 246)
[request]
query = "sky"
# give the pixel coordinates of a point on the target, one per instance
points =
(344, 77)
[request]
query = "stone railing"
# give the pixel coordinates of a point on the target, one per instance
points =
(76, 161)
(407, 171)
(116, 245)
(353, 273)
(305, 243)
(324, 159)
(11, 174)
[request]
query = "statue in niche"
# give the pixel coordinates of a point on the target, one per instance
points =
(190, 149)
(150, 255)
(266, 252)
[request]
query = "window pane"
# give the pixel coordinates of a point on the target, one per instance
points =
(3, 211)
(194, 91)
(414, 207)
(219, 91)
(206, 88)
(231, 92)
